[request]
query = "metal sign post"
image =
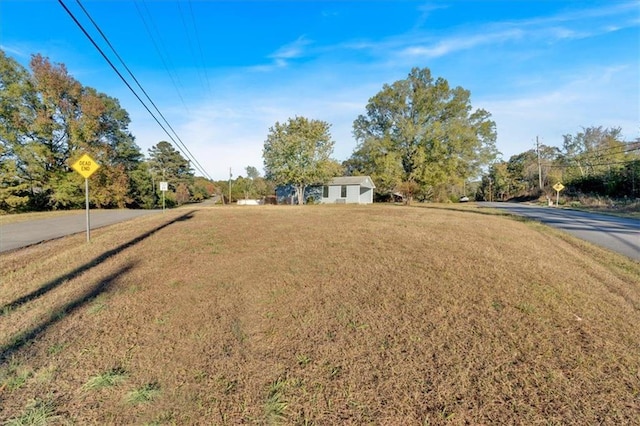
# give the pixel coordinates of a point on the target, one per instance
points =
(164, 186)
(558, 187)
(86, 166)
(86, 195)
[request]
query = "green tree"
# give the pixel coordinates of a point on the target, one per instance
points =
(298, 153)
(248, 184)
(594, 151)
(376, 158)
(252, 172)
(424, 133)
(202, 189)
(523, 170)
(47, 119)
(142, 187)
(499, 182)
(13, 190)
(597, 160)
(16, 117)
(166, 163)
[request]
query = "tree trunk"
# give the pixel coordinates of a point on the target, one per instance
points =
(300, 191)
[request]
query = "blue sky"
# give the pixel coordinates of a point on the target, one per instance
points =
(223, 72)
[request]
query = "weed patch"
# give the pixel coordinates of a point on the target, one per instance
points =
(107, 379)
(37, 413)
(276, 405)
(144, 394)
(14, 376)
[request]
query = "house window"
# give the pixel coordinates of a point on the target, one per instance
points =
(325, 192)
(343, 191)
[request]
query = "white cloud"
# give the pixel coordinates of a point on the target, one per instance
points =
(339, 79)
(14, 51)
(292, 50)
(422, 44)
(456, 43)
(281, 57)
(230, 131)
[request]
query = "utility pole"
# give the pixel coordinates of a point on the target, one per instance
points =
(539, 163)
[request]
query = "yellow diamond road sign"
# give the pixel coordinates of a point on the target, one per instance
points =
(85, 166)
(558, 187)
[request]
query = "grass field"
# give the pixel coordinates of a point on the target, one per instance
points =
(320, 315)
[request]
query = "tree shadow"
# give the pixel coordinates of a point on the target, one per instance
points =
(481, 210)
(45, 288)
(27, 336)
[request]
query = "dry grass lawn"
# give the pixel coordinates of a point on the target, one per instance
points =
(320, 315)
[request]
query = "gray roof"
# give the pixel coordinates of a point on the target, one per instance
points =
(353, 180)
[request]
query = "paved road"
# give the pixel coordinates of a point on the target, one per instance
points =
(615, 233)
(23, 234)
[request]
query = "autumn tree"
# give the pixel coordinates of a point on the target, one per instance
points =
(298, 153)
(202, 188)
(424, 134)
(47, 120)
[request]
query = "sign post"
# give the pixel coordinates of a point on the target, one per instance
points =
(558, 187)
(164, 187)
(86, 166)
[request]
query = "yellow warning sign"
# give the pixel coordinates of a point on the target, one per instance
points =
(86, 166)
(558, 187)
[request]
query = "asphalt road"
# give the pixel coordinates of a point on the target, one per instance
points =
(23, 234)
(618, 234)
(615, 233)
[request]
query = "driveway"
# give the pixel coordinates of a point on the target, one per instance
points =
(618, 234)
(23, 234)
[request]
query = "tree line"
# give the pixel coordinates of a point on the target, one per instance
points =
(48, 119)
(422, 139)
(595, 161)
(419, 137)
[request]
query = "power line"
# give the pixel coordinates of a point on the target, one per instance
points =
(623, 146)
(195, 27)
(586, 164)
(596, 154)
(175, 81)
(127, 83)
(201, 169)
(188, 34)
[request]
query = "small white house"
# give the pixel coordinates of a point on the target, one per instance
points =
(348, 190)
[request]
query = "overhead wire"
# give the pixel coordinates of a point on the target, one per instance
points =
(175, 80)
(182, 148)
(189, 42)
(137, 82)
(202, 61)
(624, 146)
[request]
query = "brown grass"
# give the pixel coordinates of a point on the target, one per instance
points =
(321, 315)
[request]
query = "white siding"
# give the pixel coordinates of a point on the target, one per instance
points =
(355, 195)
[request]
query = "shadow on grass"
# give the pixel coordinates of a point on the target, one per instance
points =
(79, 270)
(28, 335)
(481, 210)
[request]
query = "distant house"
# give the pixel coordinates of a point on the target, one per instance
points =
(348, 190)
